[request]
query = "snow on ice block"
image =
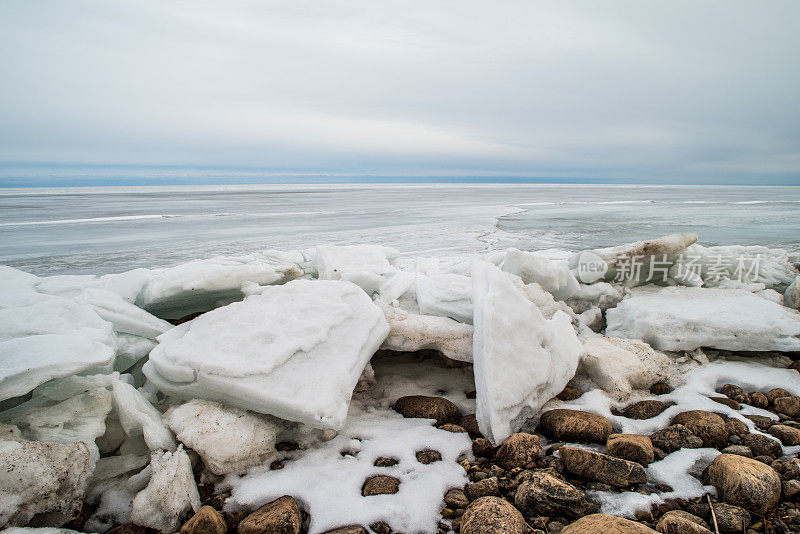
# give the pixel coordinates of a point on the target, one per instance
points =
(328, 479)
(686, 318)
(295, 351)
(521, 360)
(227, 439)
(202, 285)
(446, 295)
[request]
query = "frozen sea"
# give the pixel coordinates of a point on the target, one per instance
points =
(104, 230)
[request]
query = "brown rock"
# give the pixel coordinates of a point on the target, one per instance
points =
(519, 450)
(483, 447)
(763, 445)
(777, 393)
(730, 403)
(574, 425)
(483, 488)
(470, 424)
(680, 522)
(645, 409)
(455, 429)
(428, 456)
(736, 427)
(606, 524)
(456, 499)
(633, 447)
(789, 489)
(569, 393)
(730, 519)
(733, 392)
(741, 450)
(787, 434)
(660, 388)
(675, 437)
(762, 421)
(380, 485)
(758, 399)
(542, 494)
(129, 528)
(708, 426)
(281, 516)
(421, 406)
(381, 527)
(383, 461)
(492, 515)
(788, 405)
(354, 529)
(205, 521)
(744, 482)
(602, 467)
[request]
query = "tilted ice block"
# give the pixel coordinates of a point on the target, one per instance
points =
(619, 366)
(126, 317)
(685, 318)
(446, 295)
(410, 332)
(554, 277)
(753, 264)
(791, 297)
(295, 351)
(202, 285)
(139, 417)
(643, 253)
(26, 362)
(521, 360)
(170, 494)
(227, 439)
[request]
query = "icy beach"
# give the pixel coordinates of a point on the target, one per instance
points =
(650, 385)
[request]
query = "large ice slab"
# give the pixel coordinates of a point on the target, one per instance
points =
(686, 318)
(202, 285)
(521, 360)
(620, 366)
(294, 351)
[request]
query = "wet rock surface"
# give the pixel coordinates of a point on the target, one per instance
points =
(575, 425)
(601, 467)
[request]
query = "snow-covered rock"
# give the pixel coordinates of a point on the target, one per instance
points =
(531, 267)
(410, 332)
(42, 479)
(170, 494)
(600, 295)
(328, 478)
(295, 351)
(446, 295)
(202, 285)
(227, 439)
(521, 359)
(620, 366)
(686, 318)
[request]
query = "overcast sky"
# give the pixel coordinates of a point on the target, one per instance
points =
(631, 90)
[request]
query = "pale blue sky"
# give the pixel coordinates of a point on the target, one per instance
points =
(647, 91)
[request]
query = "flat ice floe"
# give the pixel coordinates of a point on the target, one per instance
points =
(520, 358)
(295, 351)
(686, 318)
